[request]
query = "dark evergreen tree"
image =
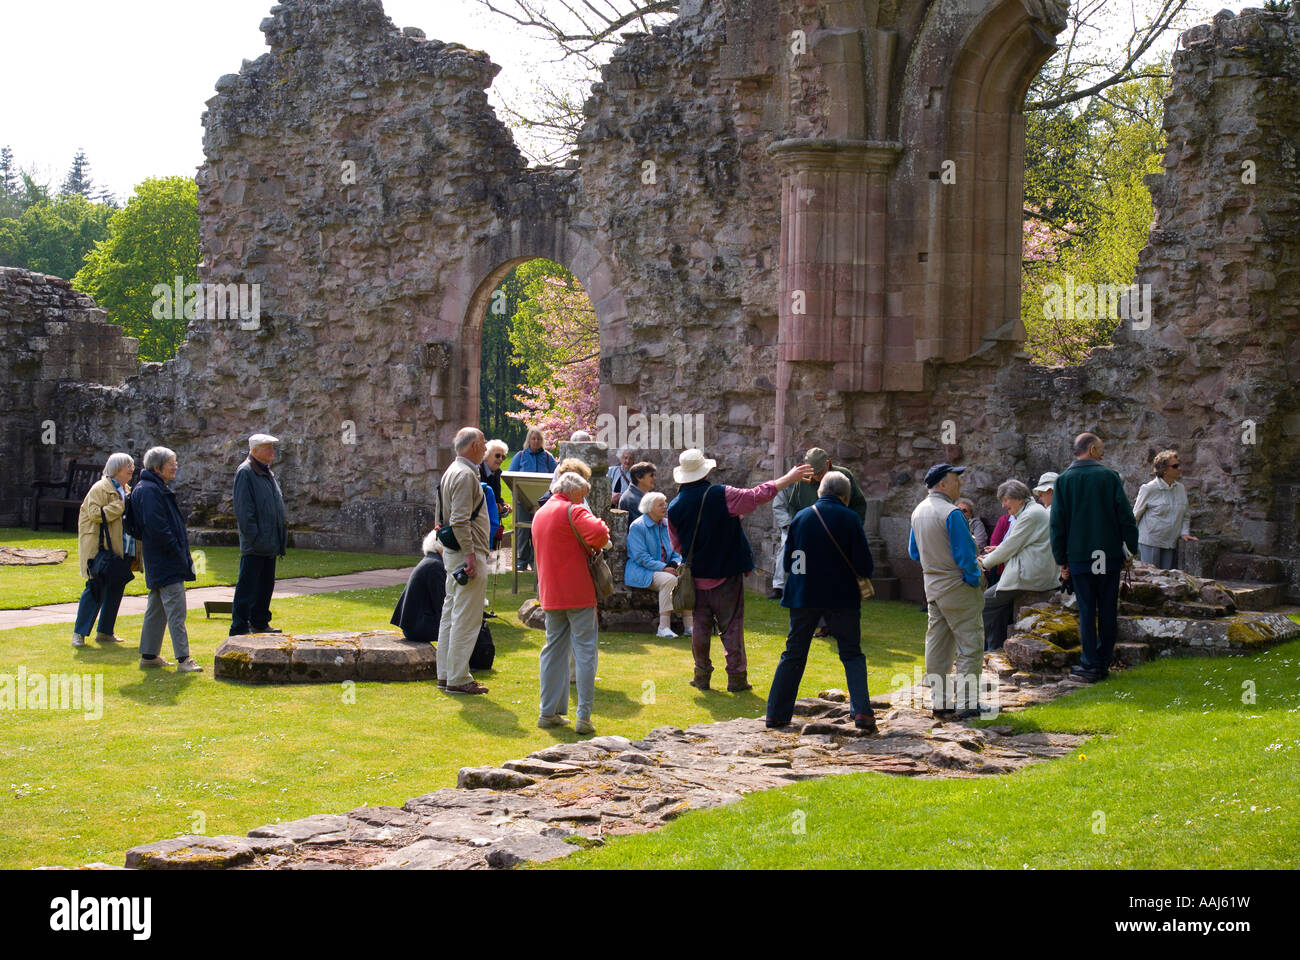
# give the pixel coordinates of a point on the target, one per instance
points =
(9, 184)
(78, 178)
(501, 377)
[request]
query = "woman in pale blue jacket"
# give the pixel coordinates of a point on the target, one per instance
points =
(651, 560)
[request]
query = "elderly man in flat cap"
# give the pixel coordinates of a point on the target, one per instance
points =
(954, 591)
(263, 536)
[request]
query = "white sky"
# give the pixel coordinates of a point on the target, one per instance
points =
(127, 80)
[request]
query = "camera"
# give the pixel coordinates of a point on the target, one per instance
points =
(461, 576)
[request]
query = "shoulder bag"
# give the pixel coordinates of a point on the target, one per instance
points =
(865, 589)
(684, 592)
(445, 533)
(106, 566)
(601, 577)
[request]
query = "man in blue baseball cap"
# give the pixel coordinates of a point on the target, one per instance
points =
(954, 591)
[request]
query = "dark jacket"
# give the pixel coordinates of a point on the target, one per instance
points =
(419, 609)
(1091, 512)
(492, 478)
(721, 549)
(165, 546)
(799, 496)
(821, 578)
(259, 511)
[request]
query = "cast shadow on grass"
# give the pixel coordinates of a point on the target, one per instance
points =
(159, 686)
(113, 654)
(722, 705)
(490, 717)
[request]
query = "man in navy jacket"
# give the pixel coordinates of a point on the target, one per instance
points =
(263, 536)
(825, 553)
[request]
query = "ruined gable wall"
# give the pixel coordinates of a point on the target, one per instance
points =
(1224, 343)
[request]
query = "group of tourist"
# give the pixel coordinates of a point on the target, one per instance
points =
(145, 524)
(1074, 529)
(1081, 534)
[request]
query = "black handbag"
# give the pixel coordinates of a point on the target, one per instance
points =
(106, 566)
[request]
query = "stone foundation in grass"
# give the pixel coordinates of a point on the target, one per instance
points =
(1162, 613)
(568, 796)
(30, 556)
(324, 658)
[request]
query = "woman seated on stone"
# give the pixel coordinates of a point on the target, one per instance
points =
(1027, 555)
(419, 609)
(651, 560)
(103, 599)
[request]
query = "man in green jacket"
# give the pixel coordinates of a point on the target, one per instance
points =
(1092, 523)
(796, 497)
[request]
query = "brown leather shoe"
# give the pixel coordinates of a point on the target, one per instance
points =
(472, 687)
(701, 681)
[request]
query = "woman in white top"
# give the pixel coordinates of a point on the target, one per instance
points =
(1161, 512)
(1027, 553)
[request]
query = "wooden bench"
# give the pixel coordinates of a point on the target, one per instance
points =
(66, 493)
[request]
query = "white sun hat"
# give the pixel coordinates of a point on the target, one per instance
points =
(694, 465)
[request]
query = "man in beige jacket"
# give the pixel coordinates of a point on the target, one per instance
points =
(463, 508)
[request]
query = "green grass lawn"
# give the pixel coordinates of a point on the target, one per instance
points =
(177, 754)
(62, 583)
(1182, 774)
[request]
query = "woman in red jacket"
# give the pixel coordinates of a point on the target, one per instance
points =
(564, 533)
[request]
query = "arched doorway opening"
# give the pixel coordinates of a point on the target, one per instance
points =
(539, 350)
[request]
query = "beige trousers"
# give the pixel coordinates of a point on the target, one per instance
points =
(665, 583)
(462, 617)
(955, 632)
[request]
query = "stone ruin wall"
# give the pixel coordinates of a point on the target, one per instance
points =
(50, 335)
(371, 292)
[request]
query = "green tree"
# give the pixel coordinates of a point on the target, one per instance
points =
(78, 179)
(53, 236)
(153, 240)
(501, 375)
(1088, 191)
(8, 173)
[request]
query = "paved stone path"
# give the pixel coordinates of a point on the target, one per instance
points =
(291, 587)
(569, 795)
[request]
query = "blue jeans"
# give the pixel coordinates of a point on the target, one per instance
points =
(568, 631)
(846, 627)
(1098, 596)
(102, 599)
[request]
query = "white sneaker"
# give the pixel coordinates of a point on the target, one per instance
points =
(78, 640)
(666, 634)
(189, 665)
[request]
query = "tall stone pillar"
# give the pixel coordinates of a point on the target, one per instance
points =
(834, 248)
